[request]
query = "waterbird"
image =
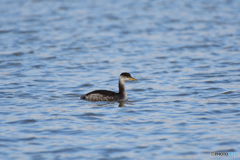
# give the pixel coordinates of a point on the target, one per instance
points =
(105, 95)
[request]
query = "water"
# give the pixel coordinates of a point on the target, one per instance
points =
(185, 55)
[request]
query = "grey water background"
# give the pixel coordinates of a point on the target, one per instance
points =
(185, 55)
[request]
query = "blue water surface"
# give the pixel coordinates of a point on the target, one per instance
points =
(185, 55)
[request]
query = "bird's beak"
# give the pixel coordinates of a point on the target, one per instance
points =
(133, 79)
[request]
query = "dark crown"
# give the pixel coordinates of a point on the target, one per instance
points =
(125, 74)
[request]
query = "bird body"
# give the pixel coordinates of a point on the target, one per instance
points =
(105, 95)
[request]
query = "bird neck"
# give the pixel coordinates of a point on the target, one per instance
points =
(122, 90)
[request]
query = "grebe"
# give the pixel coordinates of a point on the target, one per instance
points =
(104, 95)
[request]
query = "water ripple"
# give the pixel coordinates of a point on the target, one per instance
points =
(184, 105)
